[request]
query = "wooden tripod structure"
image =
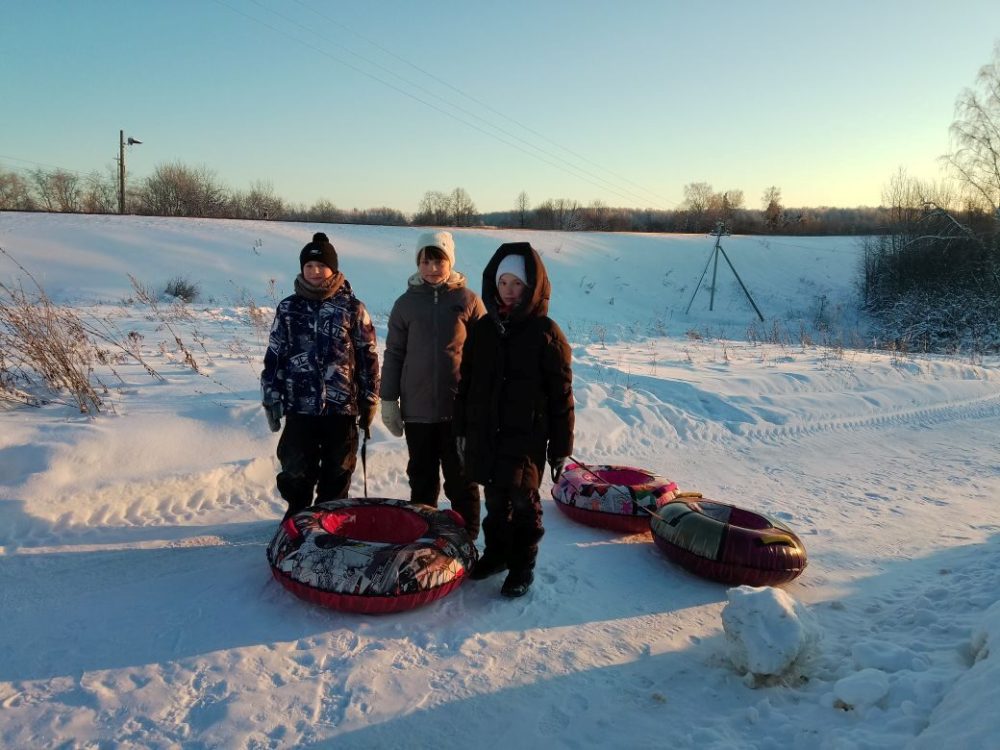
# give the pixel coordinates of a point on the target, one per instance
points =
(720, 229)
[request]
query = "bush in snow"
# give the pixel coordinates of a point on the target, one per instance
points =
(183, 289)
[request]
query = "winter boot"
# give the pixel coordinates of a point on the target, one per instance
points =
(518, 582)
(293, 508)
(488, 565)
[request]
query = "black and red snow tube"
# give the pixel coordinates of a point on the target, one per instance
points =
(371, 555)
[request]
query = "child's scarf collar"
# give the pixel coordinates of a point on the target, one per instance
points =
(319, 292)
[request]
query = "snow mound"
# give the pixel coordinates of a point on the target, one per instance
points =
(861, 689)
(959, 720)
(767, 631)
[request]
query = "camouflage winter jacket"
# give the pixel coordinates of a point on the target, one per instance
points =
(322, 356)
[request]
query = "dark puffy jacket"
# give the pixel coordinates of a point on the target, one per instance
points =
(515, 396)
(427, 329)
(322, 356)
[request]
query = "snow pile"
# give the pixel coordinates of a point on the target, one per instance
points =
(986, 637)
(861, 689)
(959, 719)
(767, 631)
(887, 657)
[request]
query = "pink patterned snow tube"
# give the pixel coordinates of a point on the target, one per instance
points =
(619, 498)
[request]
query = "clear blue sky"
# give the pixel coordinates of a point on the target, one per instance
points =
(374, 103)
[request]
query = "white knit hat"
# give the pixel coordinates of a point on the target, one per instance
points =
(513, 264)
(441, 240)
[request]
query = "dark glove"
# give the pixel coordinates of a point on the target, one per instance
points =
(557, 467)
(460, 450)
(366, 413)
(274, 413)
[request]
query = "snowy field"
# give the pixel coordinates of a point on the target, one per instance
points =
(138, 610)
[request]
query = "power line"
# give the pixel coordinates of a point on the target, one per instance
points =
(480, 103)
(580, 173)
(429, 104)
(43, 164)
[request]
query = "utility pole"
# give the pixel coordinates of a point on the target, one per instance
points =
(121, 171)
(720, 230)
(121, 167)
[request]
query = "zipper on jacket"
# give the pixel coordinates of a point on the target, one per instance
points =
(435, 409)
(320, 364)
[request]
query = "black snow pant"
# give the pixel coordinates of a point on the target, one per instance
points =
(318, 455)
(432, 449)
(513, 524)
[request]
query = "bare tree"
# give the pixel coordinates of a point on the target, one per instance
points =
(562, 214)
(324, 211)
(568, 215)
(976, 137)
(99, 194)
(697, 201)
(435, 208)
(697, 196)
(462, 208)
(597, 216)
(15, 192)
(545, 215)
(724, 207)
(903, 198)
(42, 189)
(259, 202)
(178, 190)
(381, 215)
(773, 211)
(65, 189)
(523, 207)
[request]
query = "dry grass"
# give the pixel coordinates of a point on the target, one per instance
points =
(49, 354)
(54, 354)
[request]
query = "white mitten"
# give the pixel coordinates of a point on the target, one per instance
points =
(392, 417)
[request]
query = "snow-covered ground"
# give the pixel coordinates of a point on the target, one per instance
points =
(138, 610)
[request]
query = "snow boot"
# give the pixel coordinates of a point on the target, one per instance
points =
(517, 584)
(488, 565)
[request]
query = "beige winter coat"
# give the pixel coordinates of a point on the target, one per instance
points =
(423, 348)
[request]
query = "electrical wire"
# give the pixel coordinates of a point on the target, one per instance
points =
(43, 164)
(544, 156)
(481, 103)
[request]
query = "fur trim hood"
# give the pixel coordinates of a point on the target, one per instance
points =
(539, 289)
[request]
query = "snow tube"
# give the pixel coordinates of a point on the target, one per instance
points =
(727, 544)
(371, 556)
(619, 498)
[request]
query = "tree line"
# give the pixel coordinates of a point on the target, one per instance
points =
(176, 189)
(173, 189)
(922, 233)
(700, 212)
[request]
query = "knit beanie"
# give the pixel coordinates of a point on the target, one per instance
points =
(440, 240)
(513, 264)
(319, 250)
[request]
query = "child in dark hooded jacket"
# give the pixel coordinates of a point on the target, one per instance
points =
(514, 409)
(321, 373)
